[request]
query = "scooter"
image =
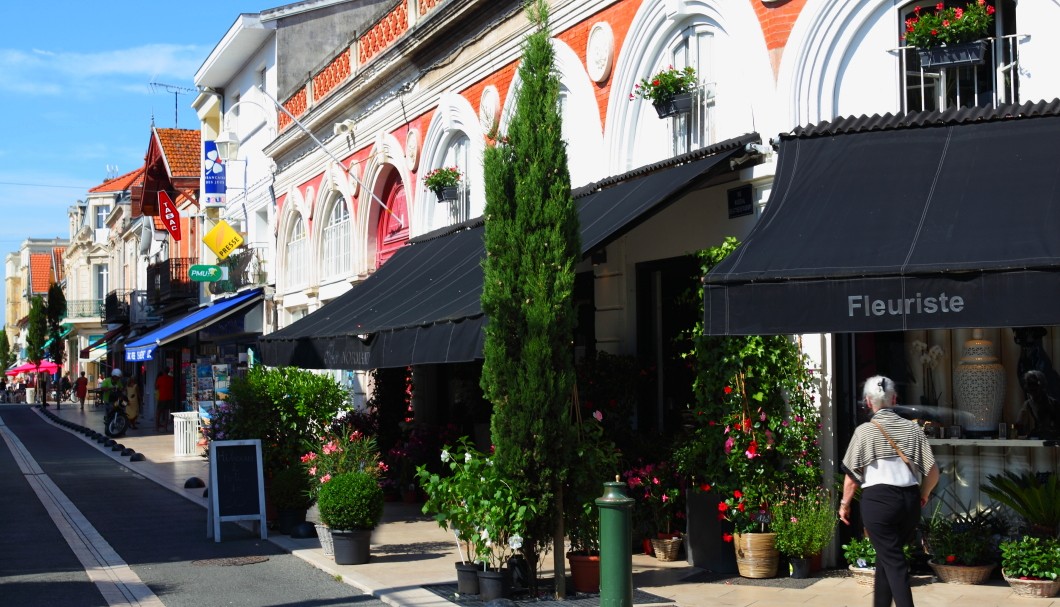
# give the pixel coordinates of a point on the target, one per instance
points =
(116, 421)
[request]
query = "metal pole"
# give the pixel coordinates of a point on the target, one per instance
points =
(616, 559)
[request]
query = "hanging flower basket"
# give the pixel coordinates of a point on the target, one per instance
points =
(678, 104)
(448, 194)
(954, 55)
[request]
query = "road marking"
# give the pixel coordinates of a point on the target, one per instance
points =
(117, 582)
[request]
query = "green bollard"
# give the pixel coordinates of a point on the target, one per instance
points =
(616, 559)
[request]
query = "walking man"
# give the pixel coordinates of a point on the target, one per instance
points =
(164, 397)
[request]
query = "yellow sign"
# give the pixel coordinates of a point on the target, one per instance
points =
(222, 239)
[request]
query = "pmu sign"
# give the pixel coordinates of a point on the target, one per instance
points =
(201, 273)
(170, 217)
(222, 240)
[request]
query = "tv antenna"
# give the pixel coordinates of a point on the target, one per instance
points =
(176, 90)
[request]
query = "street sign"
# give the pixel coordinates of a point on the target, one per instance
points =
(222, 240)
(170, 217)
(203, 273)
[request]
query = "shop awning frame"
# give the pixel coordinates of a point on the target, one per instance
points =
(107, 338)
(142, 348)
(931, 221)
(423, 306)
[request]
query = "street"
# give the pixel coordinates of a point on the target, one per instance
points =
(79, 529)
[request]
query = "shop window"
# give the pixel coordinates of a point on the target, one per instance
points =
(995, 81)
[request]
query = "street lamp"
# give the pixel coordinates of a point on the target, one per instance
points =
(227, 140)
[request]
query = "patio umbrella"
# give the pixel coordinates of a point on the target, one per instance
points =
(45, 365)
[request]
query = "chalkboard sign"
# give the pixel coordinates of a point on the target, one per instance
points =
(237, 491)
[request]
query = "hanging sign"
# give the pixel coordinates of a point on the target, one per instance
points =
(170, 217)
(214, 183)
(203, 273)
(222, 240)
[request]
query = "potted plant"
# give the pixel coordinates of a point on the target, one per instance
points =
(963, 546)
(444, 182)
(861, 560)
(752, 537)
(289, 492)
(670, 90)
(1031, 565)
(351, 504)
(950, 36)
(1034, 497)
(596, 459)
(657, 487)
(804, 523)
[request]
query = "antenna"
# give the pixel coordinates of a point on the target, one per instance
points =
(176, 90)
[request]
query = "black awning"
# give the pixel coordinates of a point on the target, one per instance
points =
(420, 307)
(103, 341)
(914, 228)
(423, 305)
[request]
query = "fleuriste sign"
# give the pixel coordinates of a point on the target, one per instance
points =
(169, 214)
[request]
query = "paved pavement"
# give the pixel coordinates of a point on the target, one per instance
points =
(409, 550)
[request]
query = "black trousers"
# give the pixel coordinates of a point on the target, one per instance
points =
(890, 515)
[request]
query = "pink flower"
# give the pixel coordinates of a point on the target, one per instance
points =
(762, 417)
(655, 480)
(325, 478)
(313, 471)
(665, 498)
(794, 520)
(728, 445)
(598, 416)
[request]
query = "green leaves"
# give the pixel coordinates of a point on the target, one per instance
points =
(1034, 497)
(1031, 557)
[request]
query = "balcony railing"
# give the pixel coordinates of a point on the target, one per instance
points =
(116, 307)
(992, 83)
(168, 281)
(245, 268)
(84, 308)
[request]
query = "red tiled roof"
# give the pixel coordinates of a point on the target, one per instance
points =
(159, 226)
(57, 256)
(181, 149)
(121, 183)
(40, 273)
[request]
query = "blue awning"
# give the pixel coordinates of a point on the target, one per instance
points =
(142, 348)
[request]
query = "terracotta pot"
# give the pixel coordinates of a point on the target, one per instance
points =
(585, 572)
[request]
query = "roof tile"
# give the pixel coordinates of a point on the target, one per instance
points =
(181, 149)
(40, 273)
(121, 182)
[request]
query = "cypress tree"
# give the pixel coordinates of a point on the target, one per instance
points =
(532, 244)
(37, 330)
(56, 311)
(7, 354)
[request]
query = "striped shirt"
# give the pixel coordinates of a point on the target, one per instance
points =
(869, 445)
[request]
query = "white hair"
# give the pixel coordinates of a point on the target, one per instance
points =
(879, 392)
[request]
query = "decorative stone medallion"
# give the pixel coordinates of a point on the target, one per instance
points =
(412, 149)
(600, 51)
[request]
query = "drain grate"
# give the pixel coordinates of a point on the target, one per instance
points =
(231, 561)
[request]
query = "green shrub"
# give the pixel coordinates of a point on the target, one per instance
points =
(805, 523)
(860, 553)
(289, 489)
(351, 501)
(1031, 558)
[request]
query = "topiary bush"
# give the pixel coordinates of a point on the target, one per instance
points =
(351, 501)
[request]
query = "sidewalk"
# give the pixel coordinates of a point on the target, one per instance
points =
(409, 550)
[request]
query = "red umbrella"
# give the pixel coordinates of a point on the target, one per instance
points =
(45, 365)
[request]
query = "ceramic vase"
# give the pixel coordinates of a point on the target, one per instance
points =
(979, 387)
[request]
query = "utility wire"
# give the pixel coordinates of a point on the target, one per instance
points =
(47, 185)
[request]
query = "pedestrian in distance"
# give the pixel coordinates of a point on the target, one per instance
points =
(890, 458)
(163, 399)
(81, 389)
(42, 388)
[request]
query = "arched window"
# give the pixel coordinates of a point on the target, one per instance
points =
(337, 253)
(991, 81)
(457, 153)
(296, 272)
(695, 129)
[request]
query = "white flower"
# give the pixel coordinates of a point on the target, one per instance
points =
(467, 458)
(485, 534)
(516, 541)
(919, 346)
(445, 455)
(925, 359)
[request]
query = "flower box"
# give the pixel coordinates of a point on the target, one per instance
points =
(448, 194)
(954, 55)
(680, 103)
(1033, 588)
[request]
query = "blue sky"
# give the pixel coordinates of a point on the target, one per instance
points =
(75, 95)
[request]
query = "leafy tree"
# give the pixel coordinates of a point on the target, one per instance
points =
(37, 331)
(56, 311)
(532, 244)
(7, 354)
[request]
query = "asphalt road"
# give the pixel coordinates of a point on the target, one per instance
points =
(127, 520)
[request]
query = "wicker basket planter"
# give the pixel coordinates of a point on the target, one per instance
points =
(962, 574)
(863, 576)
(756, 554)
(1039, 589)
(666, 549)
(326, 543)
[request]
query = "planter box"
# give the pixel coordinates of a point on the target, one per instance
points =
(1033, 588)
(678, 104)
(962, 574)
(954, 55)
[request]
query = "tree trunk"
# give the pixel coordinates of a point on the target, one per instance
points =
(558, 556)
